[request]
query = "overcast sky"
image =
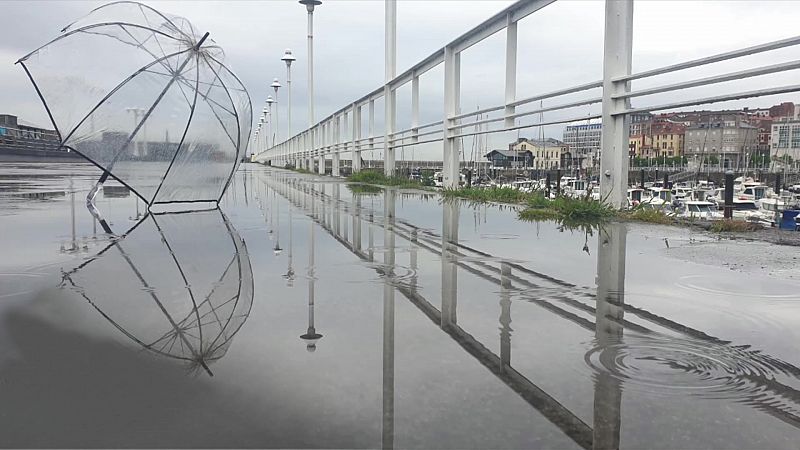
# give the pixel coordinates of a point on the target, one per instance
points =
(559, 46)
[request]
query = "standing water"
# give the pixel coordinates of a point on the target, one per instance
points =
(306, 312)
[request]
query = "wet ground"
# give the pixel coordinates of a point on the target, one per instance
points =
(303, 315)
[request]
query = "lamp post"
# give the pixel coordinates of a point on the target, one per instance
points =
(270, 101)
(141, 150)
(288, 58)
(276, 85)
(263, 127)
(310, 4)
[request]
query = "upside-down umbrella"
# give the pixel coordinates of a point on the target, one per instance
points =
(167, 294)
(148, 99)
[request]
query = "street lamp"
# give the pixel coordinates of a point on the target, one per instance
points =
(270, 101)
(310, 4)
(262, 124)
(276, 85)
(141, 150)
(288, 58)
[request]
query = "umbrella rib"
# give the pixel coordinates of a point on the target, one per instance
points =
(89, 27)
(155, 298)
(141, 45)
(135, 3)
(147, 116)
(207, 298)
(183, 275)
(163, 52)
(238, 121)
(239, 251)
(117, 88)
(185, 131)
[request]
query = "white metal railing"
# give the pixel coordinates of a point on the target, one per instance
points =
(341, 131)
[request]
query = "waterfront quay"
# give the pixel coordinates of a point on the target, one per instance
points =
(380, 318)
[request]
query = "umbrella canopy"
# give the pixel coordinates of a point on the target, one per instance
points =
(167, 294)
(148, 99)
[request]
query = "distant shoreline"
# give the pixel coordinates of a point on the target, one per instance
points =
(13, 155)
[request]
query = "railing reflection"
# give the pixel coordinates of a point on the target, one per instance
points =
(606, 306)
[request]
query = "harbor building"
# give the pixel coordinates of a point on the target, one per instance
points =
(786, 140)
(731, 142)
(547, 153)
(510, 159)
(584, 143)
(18, 137)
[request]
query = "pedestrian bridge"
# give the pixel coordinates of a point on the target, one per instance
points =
(342, 131)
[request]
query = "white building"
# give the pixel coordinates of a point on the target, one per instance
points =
(786, 139)
(584, 143)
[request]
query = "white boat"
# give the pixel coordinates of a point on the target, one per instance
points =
(755, 192)
(575, 187)
(680, 193)
(771, 209)
(747, 210)
(659, 198)
(701, 210)
(635, 196)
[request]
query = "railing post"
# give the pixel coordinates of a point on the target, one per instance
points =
(337, 140)
(371, 129)
(389, 94)
(322, 144)
(356, 153)
(511, 68)
(414, 107)
(450, 161)
(617, 56)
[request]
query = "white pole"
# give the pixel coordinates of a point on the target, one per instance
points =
(617, 57)
(389, 95)
(414, 108)
(288, 100)
(276, 130)
(511, 68)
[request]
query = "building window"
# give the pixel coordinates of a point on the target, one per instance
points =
(796, 137)
(783, 136)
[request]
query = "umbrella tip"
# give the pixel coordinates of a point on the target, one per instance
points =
(200, 42)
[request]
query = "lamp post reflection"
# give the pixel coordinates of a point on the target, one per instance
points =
(289, 269)
(608, 332)
(277, 213)
(311, 336)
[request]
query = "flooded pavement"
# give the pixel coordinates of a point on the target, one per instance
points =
(304, 314)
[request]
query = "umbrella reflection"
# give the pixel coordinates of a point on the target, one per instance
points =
(179, 285)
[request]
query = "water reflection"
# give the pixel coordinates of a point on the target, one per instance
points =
(179, 285)
(631, 347)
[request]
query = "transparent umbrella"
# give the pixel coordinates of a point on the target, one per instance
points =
(148, 99)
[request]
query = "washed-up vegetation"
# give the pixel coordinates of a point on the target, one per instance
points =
(364, 189)
(492, 194)
(378, 178)
(648, 215)
(733, 226)
(301, 170)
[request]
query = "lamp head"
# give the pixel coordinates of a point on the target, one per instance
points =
(288, 58)
(310, 4)
(275, 84)
(270, 100)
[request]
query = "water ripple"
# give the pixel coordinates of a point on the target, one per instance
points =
(668, 366)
